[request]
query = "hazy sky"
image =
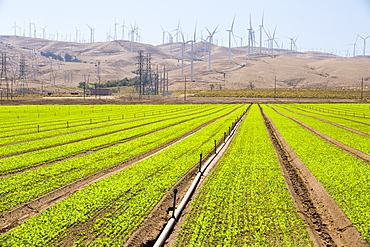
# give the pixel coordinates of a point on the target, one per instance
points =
(319, 24)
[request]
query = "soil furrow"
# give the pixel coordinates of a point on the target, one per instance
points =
(17, 216)
(354, 152)
(325, 220)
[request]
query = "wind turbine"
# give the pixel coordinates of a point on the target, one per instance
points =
(192, 54)
(364, 42)
(123, 30)
(354, 47)
(43, 32)
(115, 30)
(241, 40)
(210, 47)
(182, 53)
(250, 37)
(92, 31)
(15, 28)
(261, 29)
(163, 34)
(29, 26)
(171, 43)
(34, 30)
(133, 32)
(77, 34)
(230, 32)
(272, 40)
(292, 41)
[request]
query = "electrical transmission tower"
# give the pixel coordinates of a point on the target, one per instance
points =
(22, 72)
(3, 76)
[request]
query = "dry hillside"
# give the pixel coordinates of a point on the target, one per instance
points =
(310, 69)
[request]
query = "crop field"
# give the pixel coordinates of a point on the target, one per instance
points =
(324, 93)
(96, 175)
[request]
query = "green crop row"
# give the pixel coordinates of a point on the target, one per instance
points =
(86, 126)
(87, 133)
(28, 185)
(341, 120)
(357, 111)
(351, 139)
(130, 194)
(345, 177)
(51, 122)
(35, 158)
(245, 201)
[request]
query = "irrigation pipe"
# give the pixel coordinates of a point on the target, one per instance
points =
(171, 223)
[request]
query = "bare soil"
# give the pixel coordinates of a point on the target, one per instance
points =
(326, 222)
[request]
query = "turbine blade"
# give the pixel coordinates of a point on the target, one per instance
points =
(232, 25)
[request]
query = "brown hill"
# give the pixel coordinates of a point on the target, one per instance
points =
(310, 69)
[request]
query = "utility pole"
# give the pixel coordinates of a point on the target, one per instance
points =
(275, 89)
(362, 89)
(98, 76)
(22, 71)
(3, 74)
(185, 90)
(140, 61)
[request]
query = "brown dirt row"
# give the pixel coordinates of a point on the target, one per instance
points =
(326, 222)
(329, 122)
(17, 216)
(354, 152)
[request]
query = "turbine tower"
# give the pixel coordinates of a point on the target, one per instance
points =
(92, 31)
(230, 32)
(115, 30)
(182, 53)
(210, 35)
(292, 41)
(364, 42)
(261, 29)
(192, 54)
(163, 35)
(15, 28)
(250, 37)
(43, 32)
(123, 30)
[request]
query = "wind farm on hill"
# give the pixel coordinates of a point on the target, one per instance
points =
(32, 65)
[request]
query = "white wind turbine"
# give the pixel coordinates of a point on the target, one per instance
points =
(182, 53)
(163, 35)
(171, 43)
(210, 46)
(92, 31)
(261, 28)
(250, 37)
(354, 46)
(115, 30)
(192, 54)
(292, 41)
(364, 42)
(123, 30)
(43, 32)
(230, 33)
(15, 28)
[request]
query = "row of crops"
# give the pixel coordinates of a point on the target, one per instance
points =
(244, 200)
(327, 93)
